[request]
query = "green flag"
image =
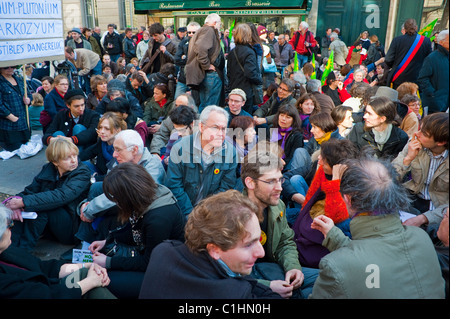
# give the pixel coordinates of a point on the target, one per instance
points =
(295, 63)
(428, 30)
(329, 67)
(313, 62)
(230, 35)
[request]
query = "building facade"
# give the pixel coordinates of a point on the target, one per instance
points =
(381, 17)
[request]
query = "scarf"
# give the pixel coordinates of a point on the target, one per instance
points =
(162, 102)
(306, 125)
(324, 138)
(61, 95)
(382, 137)
(107, 151)
(276, 136)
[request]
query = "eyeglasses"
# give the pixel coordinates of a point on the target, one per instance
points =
(63, 84)
(119, 150)
(191, 32)
(216, 129)
(272, 182)
(283, 89)
(182, 130)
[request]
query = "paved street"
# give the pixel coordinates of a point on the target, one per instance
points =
(15, 175)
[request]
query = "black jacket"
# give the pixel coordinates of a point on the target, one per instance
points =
(293, 141)
(95, 151)
(181, 58)
(393, 146)
(243, 78)
(174, 272)
(64, 122)
(48, 191)
(142, 94)
(397, 51)
(35, 279)
(112, 44)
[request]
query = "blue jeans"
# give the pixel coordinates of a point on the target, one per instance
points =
(86, 79)
(77, 129)
(114, 57)
(181, 89)
(302, 59)
(273, 271)
(301, 158)
(300, 185)
(210, 90)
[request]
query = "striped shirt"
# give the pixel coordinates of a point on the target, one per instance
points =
(435, 162)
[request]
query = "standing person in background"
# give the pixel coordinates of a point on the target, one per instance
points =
(181, 57)
(129, 46)
(161, 50)
(433, 77)
(242, 69)
(303, 43)
(93, 41)
(340, 50)
(405, 65)
(205, 63)
(325, 42)
(112, 43)
(14, 130)
(142, 45)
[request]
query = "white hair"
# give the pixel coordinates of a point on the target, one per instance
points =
(204, 116)
(313, 85)
(193, 24)
(442, 35)
(304, 24)
(334, 35)
(131, 138)
(211, 18)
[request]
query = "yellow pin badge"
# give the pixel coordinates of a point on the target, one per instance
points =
(216, 171)
(263, 238)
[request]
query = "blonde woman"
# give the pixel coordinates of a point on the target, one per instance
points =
(54, 195)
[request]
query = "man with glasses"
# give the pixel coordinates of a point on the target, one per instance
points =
(205, 63)
(203, 163)
(236, 100)
(181, 58)
(280, 268)
(128, 148)
(283, 96)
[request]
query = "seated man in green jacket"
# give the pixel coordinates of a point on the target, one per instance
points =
(384, 259)
(280, 268)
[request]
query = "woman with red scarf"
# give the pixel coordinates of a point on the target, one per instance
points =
(54, 101)
(323, 198)
(157, 108)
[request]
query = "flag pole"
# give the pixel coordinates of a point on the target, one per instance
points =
(26, 95)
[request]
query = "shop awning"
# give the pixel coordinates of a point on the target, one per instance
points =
(173, 5)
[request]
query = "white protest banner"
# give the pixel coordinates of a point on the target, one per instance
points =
(13, 29)
(30, 31)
